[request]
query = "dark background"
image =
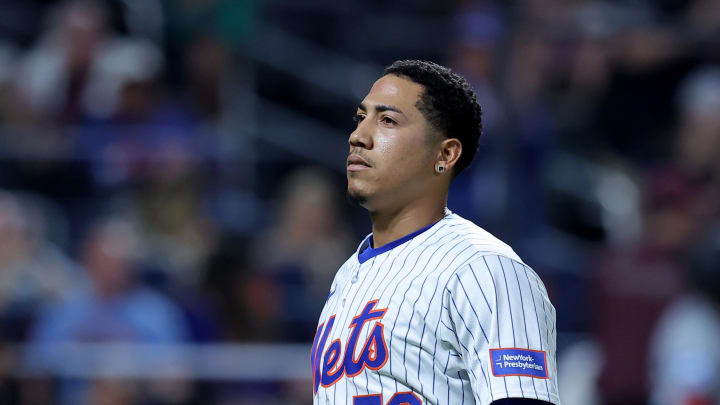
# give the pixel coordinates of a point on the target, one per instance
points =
(172, 173)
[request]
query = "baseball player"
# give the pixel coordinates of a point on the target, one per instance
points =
(431, 309)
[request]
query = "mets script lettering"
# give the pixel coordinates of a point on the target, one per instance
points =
(337, 363)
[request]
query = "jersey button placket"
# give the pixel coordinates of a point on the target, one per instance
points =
(356, 274)
(354, 279)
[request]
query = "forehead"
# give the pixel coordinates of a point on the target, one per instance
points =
(394, 90)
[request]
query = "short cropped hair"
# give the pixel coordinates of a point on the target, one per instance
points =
(448, 103)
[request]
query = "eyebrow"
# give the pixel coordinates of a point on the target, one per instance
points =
(382, 107)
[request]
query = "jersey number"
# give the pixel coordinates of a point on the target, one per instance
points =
(400, 398)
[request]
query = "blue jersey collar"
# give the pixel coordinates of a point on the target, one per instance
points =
(367, 252)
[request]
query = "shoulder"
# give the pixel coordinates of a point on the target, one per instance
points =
(465, 236)
(490, 267)
(476, 259)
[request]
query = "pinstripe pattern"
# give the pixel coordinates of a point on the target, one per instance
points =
(451, 293)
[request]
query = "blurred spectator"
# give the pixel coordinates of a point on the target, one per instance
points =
(637, 282)
(250, 301)
(112, 307)
(206, 44)
(78, 71)
(54, 75)
(33, 271)
(130, 124)
(170, 201)
(159, 153)
(699, 125)
(250, 304)
(684, 366)
(121, 81)
(633, 284)
(303, 249)
(310, 233)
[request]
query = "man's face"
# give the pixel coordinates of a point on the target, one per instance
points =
(391, 156)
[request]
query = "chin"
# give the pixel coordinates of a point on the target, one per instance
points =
(357, 195)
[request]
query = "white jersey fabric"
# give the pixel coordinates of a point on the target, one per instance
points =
(446, 315)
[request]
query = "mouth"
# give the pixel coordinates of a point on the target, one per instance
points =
(356, 163)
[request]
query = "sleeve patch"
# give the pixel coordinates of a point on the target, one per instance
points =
(520, 362)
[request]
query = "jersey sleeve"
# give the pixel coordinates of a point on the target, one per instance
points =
(502, 324)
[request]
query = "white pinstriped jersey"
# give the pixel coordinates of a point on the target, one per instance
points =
(446, 315)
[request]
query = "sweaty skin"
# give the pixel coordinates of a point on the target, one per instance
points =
(391, 164)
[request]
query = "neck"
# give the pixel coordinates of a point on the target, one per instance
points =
(391, 224)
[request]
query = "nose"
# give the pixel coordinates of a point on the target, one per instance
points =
(361, 137)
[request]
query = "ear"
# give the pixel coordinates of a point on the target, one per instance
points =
(448, 154)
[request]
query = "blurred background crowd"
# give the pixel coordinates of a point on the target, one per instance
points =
(172, 174)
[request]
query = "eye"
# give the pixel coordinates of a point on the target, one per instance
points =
(358, 117)
(387, 120)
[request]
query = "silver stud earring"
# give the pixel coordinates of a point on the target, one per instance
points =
(439, 168)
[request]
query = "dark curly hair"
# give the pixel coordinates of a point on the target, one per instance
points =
(448, 103)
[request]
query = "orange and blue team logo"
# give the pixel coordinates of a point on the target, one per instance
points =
(520, 362)
(374, 354)
(335, 362)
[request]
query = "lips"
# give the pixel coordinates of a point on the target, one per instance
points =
(356, 163)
